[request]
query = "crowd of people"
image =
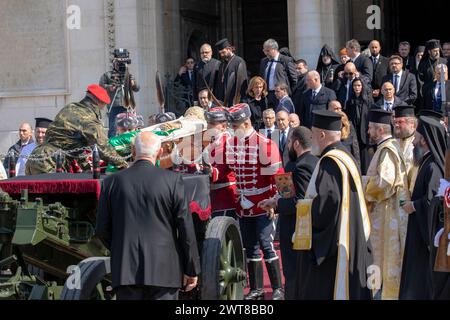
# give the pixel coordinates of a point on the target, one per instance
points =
(363, 136)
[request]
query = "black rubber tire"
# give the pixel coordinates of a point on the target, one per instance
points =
(212, 246)
(92, 271)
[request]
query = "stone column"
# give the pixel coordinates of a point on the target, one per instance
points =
(313, 23)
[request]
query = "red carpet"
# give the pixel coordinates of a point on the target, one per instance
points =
(267, 286)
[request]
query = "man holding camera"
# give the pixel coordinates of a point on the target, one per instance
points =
(119, 83)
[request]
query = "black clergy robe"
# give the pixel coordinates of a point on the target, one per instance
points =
(231, 80)
(416, 281)
(302, 170)
(317, 267)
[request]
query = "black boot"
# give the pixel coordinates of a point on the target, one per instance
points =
(273, 269)
(256, 278)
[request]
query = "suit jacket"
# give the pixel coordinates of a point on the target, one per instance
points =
(308, 105)
(380, 70)
(143, 219)
(286, 104)
(284, 71)
(276, 137)
(297, 93)
(380, 103)
(365, 66)
(302, 170)
(428, 92)
(408, 86)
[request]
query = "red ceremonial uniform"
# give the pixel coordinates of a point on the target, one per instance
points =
(223, 188)
(254, 160)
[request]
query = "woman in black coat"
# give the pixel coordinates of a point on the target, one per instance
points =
(357, 109)
(257, 100)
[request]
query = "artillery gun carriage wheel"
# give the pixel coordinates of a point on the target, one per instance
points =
(87, 282)
(223, 262)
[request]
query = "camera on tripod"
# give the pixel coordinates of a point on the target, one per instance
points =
(122, 58)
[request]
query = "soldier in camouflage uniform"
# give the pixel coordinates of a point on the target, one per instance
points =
(76, 126)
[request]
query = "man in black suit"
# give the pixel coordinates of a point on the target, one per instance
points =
(362, 63)
(144, 221)
(301, 67)
(206, 70)
(380, 68)
(389, 100)
(315, 98)
(404, 82)
(404, 50)
(343, 85)
(186, 77)
(276, 68)
(282, 135)
(301, 164)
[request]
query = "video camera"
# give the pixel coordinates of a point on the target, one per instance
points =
(122, 57)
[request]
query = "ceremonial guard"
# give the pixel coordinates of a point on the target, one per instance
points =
(255, 160)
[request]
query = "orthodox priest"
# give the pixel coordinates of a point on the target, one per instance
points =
(385, 187)
(231, 83)
(404, 128)
(332, 221)
(429, 156)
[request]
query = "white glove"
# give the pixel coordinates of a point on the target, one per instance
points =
(437, 237)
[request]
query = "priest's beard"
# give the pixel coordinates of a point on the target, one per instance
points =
(206, 60)
(292, 155)
(418, 154)
(403, 134)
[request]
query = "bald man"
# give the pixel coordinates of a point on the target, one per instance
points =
(343, 85)
(315, 98)
(389, 100)
(380, 68)
(284, 133)
(205, 70)
(153, 248)
(25, 138)
(294, 121)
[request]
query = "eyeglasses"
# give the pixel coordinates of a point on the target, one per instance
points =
(348, 73)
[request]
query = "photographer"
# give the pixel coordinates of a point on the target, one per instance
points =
(120, 85)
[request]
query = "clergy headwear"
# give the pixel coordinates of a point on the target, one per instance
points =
(222, 44)
(42, 122)
(239, 113)
(432, 44)
(404, 110)
(431, 113)
(380, 116)
(327, 120)
(434, 134)
(218, 114)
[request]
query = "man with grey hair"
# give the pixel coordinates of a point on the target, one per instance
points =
(362, 62)
(25, 138)
(316, 97)
(276, 68)
(153, 247)
(294, 120)
(385, 187)
(206, 70)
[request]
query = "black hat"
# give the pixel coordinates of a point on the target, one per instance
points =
(431, 113)
(222, 44)
(432, 44)
(380, 116)
(239, 113)
(218, 114)
(404, 110)
(433, 131)
(42, 122)
(327, 120)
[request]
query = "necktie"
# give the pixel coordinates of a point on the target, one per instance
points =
(389, 106)
(314, 93)
(269, 133)
(282, 140)
(396, 82)
(374, 60)
(269, 71)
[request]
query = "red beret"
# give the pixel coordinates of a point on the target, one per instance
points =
(99, 92)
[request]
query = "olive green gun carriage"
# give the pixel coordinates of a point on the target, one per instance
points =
(48, 247)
